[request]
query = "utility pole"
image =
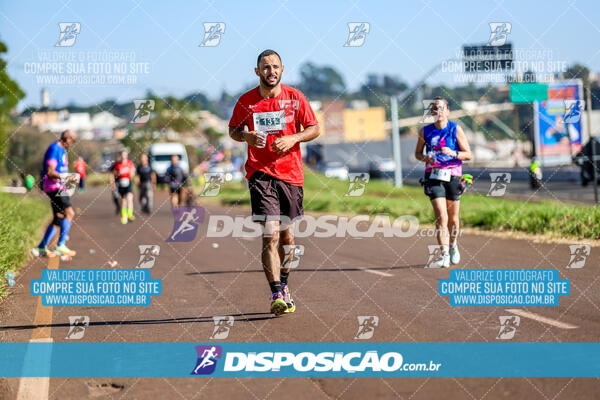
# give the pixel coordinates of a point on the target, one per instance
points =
(592, 141)
(396, 142)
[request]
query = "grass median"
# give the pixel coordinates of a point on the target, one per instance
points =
(549, 218)
(21, 220)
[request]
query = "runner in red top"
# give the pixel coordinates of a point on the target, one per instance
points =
(273, 119)
(123, 172)
(81, 168)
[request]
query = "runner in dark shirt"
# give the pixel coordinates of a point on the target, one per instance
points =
(146, 182)
(176, 178)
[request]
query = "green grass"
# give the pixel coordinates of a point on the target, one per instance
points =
(549, 218)
(21, 221)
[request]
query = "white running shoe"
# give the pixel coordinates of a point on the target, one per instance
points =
(442, 262)
(454, 254)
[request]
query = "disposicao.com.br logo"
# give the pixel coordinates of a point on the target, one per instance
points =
(309, 363)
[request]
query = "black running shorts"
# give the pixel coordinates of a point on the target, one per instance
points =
(449, 190)
(274, 199)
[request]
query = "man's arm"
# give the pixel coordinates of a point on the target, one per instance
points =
(250, 137)
(51, 171)
(286, 142)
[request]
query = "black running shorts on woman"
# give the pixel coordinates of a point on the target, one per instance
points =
(274, 199)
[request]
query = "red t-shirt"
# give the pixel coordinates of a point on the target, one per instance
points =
(124, 170)
(281, 115)
(80, 167)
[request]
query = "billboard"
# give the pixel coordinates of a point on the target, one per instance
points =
(484, 58)
(558, 128)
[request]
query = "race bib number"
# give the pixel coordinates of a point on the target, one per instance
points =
(269, 121)
(124, 182)
(440, 174)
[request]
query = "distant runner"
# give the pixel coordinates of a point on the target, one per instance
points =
(54, 180)
(81, 168)
(446, 148)
(123, 172)
(177, 179)
(146, 178)
(278, 118)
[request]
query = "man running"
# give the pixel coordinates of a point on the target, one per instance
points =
(54, 180)
(81, 168)
(176, 178)
(146, 182)
(446, 148)
(278, 118)
(123, 172)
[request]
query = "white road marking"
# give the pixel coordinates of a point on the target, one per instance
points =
(539, 318)
(35, 388)
(376, 272)
(39, 388)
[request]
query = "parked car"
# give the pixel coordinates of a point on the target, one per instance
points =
(160, 158)
(584, 160)
(335, 170)
(382, 169)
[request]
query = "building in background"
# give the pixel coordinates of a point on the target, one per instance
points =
(343, 122)
(45, 98)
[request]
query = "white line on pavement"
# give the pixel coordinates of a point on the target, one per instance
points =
(376, 272)
(539, 318)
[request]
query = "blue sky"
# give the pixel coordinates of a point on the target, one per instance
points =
(405, 39)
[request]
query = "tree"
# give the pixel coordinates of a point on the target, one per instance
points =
(578, 71)
(320, 81)
(10, 94)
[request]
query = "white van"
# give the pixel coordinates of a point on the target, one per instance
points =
(160, 158)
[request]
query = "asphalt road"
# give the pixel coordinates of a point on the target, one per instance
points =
(338, 280)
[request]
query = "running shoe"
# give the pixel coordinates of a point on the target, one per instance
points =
(442, 262)
(454, 255)
(278, 306)
(42, 252)
(131, 217)
(287, 297)
(63, 250)
(123, 219)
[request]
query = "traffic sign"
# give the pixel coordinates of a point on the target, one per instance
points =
(528, 92)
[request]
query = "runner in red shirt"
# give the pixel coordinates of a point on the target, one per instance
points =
(81, 168)
(123, 172)
(273, 119)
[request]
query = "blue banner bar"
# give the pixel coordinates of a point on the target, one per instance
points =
(368, 359)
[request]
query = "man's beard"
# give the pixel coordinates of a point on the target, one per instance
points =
(265, 82)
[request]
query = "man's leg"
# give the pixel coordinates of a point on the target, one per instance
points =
(130, 206)
(48, 235)
(270, 256)
(174, 199)
(286, 251)
(65, 227)
(287, 256)
(272, 264)
(123, 206)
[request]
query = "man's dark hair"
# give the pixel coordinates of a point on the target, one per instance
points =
(267, 53)
(442, 99)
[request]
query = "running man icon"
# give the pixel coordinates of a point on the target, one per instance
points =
(207, 359)
(186, 220)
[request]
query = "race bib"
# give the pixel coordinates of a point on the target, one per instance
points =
(269, 121)
(124, 182)
(440, 174)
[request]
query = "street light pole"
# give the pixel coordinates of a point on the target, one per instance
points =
(396, 142)
(592, 141)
